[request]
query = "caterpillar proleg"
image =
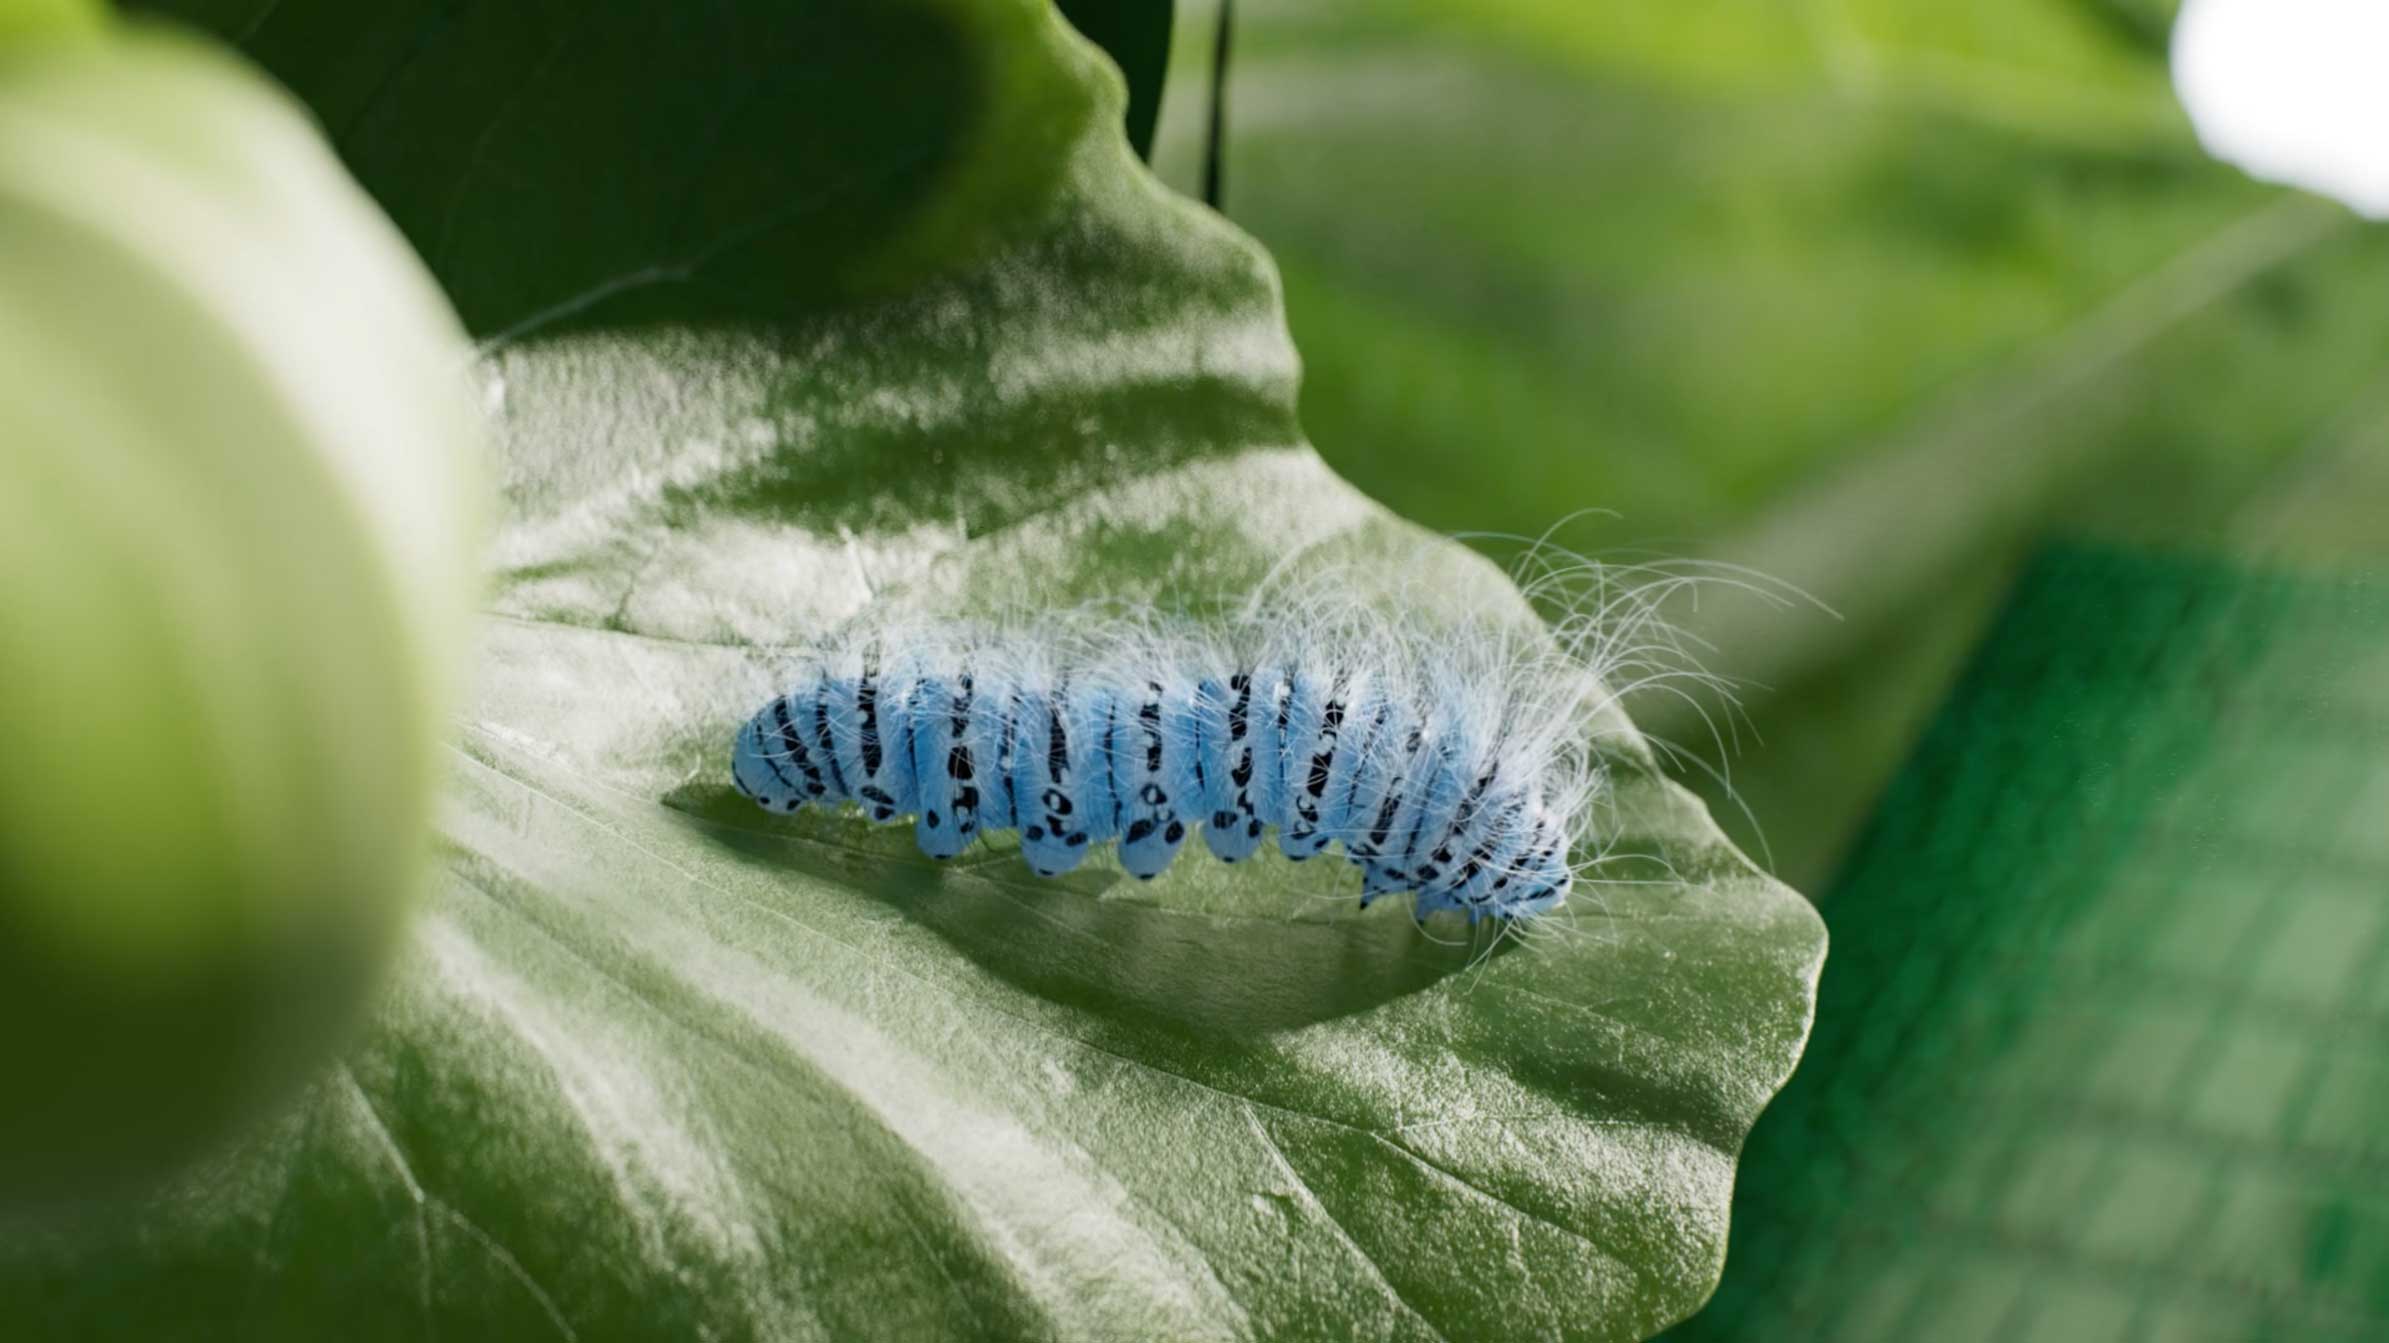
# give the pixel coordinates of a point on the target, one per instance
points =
(1461, 762)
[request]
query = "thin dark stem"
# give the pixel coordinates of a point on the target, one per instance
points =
(1217, 147)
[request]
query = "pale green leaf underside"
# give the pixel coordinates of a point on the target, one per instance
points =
(660, 1066)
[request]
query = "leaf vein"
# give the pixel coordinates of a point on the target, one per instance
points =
(1277, 1155)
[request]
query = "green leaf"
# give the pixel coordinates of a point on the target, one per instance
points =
(25, 21)
(1868, 296)
(791, 309)
(2123, 912)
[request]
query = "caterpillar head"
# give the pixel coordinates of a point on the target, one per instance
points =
(764, 769)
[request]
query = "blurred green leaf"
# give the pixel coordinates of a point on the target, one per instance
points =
(790, 309)
(2121, 912)
(1868, 295)
(26, 20)
(239, 562)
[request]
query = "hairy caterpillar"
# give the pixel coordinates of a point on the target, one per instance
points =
(1459, 762)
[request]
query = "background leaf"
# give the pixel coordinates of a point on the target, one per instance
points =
(2123, 913)
(788, 309)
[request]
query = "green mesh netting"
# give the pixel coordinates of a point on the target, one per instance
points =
(2102, 1050)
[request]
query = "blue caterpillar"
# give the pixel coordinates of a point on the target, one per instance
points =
(1424, 773)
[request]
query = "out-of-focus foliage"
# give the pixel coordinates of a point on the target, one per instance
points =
(787, 310)
(1868, 295)
(21, 20)
(236, 566)
(2099, 1056)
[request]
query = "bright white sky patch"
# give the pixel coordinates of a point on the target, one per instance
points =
(2293, 91)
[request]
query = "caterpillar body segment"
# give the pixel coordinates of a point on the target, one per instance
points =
(1153, 757)
(1268, 713)
(945, 776)
(1306, 750)
(1046, 795)
(989, 735)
